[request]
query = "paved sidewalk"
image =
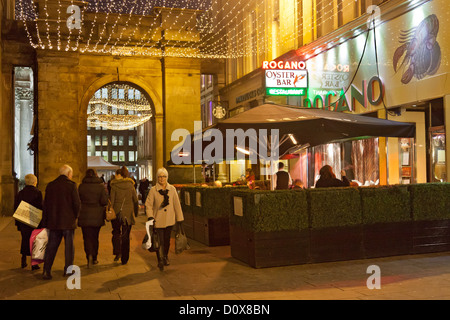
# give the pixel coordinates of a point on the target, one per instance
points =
(210, 273)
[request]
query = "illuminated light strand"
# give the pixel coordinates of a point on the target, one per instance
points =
(126, 24)
(221, 47)
(137, 26)
(123, 104)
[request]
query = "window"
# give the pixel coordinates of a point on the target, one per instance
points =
(130, 94)
(114, 140)
(114, 93)
(130, 140)
(120, 140)
(105, 93)
(105, 155)
(104, 140)
(130, 155)
(98, 94)
(121, 93)
(97, 140)
(113, 110)
(122, 156)
(115, 157)
(137, 95)
(89, 153)
(98, 153)
(89, 142)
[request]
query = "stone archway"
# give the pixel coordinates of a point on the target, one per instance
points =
(150, 94)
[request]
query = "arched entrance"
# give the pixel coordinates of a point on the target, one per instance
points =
(120, 131)
(121, 125)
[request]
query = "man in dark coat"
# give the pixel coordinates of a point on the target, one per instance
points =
(61, 209)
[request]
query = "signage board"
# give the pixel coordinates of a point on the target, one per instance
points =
(285, 78)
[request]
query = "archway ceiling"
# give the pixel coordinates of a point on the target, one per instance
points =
(192, 28)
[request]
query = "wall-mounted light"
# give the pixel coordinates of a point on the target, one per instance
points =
(291, 136)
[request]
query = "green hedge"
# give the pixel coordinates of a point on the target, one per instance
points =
(272, 210)
(384, 204)
(278, 210)
(334, 207)
(216, 202)
(430, 201)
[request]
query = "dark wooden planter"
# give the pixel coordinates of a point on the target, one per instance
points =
(269, 249)
(387, 239)
(431, 236)
(211, 231)
(188, 224)
(336, 244)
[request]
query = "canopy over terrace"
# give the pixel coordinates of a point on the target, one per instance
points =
(308, 127)
(98, 163)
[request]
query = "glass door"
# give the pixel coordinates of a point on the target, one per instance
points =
(437, 154)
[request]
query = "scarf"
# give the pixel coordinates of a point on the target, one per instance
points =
(164, 193)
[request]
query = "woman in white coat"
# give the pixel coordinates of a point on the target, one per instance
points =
(164, 206)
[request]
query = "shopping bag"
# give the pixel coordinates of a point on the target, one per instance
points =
(181, 242)
(28, 214)
(147, 242)
(151, 239)
(38, 245)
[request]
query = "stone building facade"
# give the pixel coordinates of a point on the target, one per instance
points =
(65, 81)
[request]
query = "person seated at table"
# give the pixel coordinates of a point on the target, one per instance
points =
(298, 184)
(328, 178)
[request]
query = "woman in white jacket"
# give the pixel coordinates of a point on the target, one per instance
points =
(163, 205)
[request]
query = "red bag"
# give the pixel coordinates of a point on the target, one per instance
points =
(38, 245)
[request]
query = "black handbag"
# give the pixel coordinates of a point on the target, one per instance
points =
(181, 242)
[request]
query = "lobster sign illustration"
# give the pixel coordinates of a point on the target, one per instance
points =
(420, 50)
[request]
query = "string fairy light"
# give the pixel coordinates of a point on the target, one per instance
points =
(193, 28)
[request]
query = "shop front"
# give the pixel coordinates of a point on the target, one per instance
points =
(393, 67)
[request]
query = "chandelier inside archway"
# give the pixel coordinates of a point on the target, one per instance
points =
(118, 106)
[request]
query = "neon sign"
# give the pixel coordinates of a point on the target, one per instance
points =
(285, 77)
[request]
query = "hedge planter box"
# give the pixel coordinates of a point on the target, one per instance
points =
(336, 243)
(387, 239)
(211, 231)
(270, 248)
(188, 224)
(431, 236)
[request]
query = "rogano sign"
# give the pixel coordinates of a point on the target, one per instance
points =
(372, 92)
(287, 78)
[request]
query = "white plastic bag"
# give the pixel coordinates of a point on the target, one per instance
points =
(147, 242)
(39, 244)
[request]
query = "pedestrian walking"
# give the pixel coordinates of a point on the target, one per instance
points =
(163, 205)
(61, 209)
(33, 196)
(125, 203)
(94, 199)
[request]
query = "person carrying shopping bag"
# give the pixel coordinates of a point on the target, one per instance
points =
(164, 206)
